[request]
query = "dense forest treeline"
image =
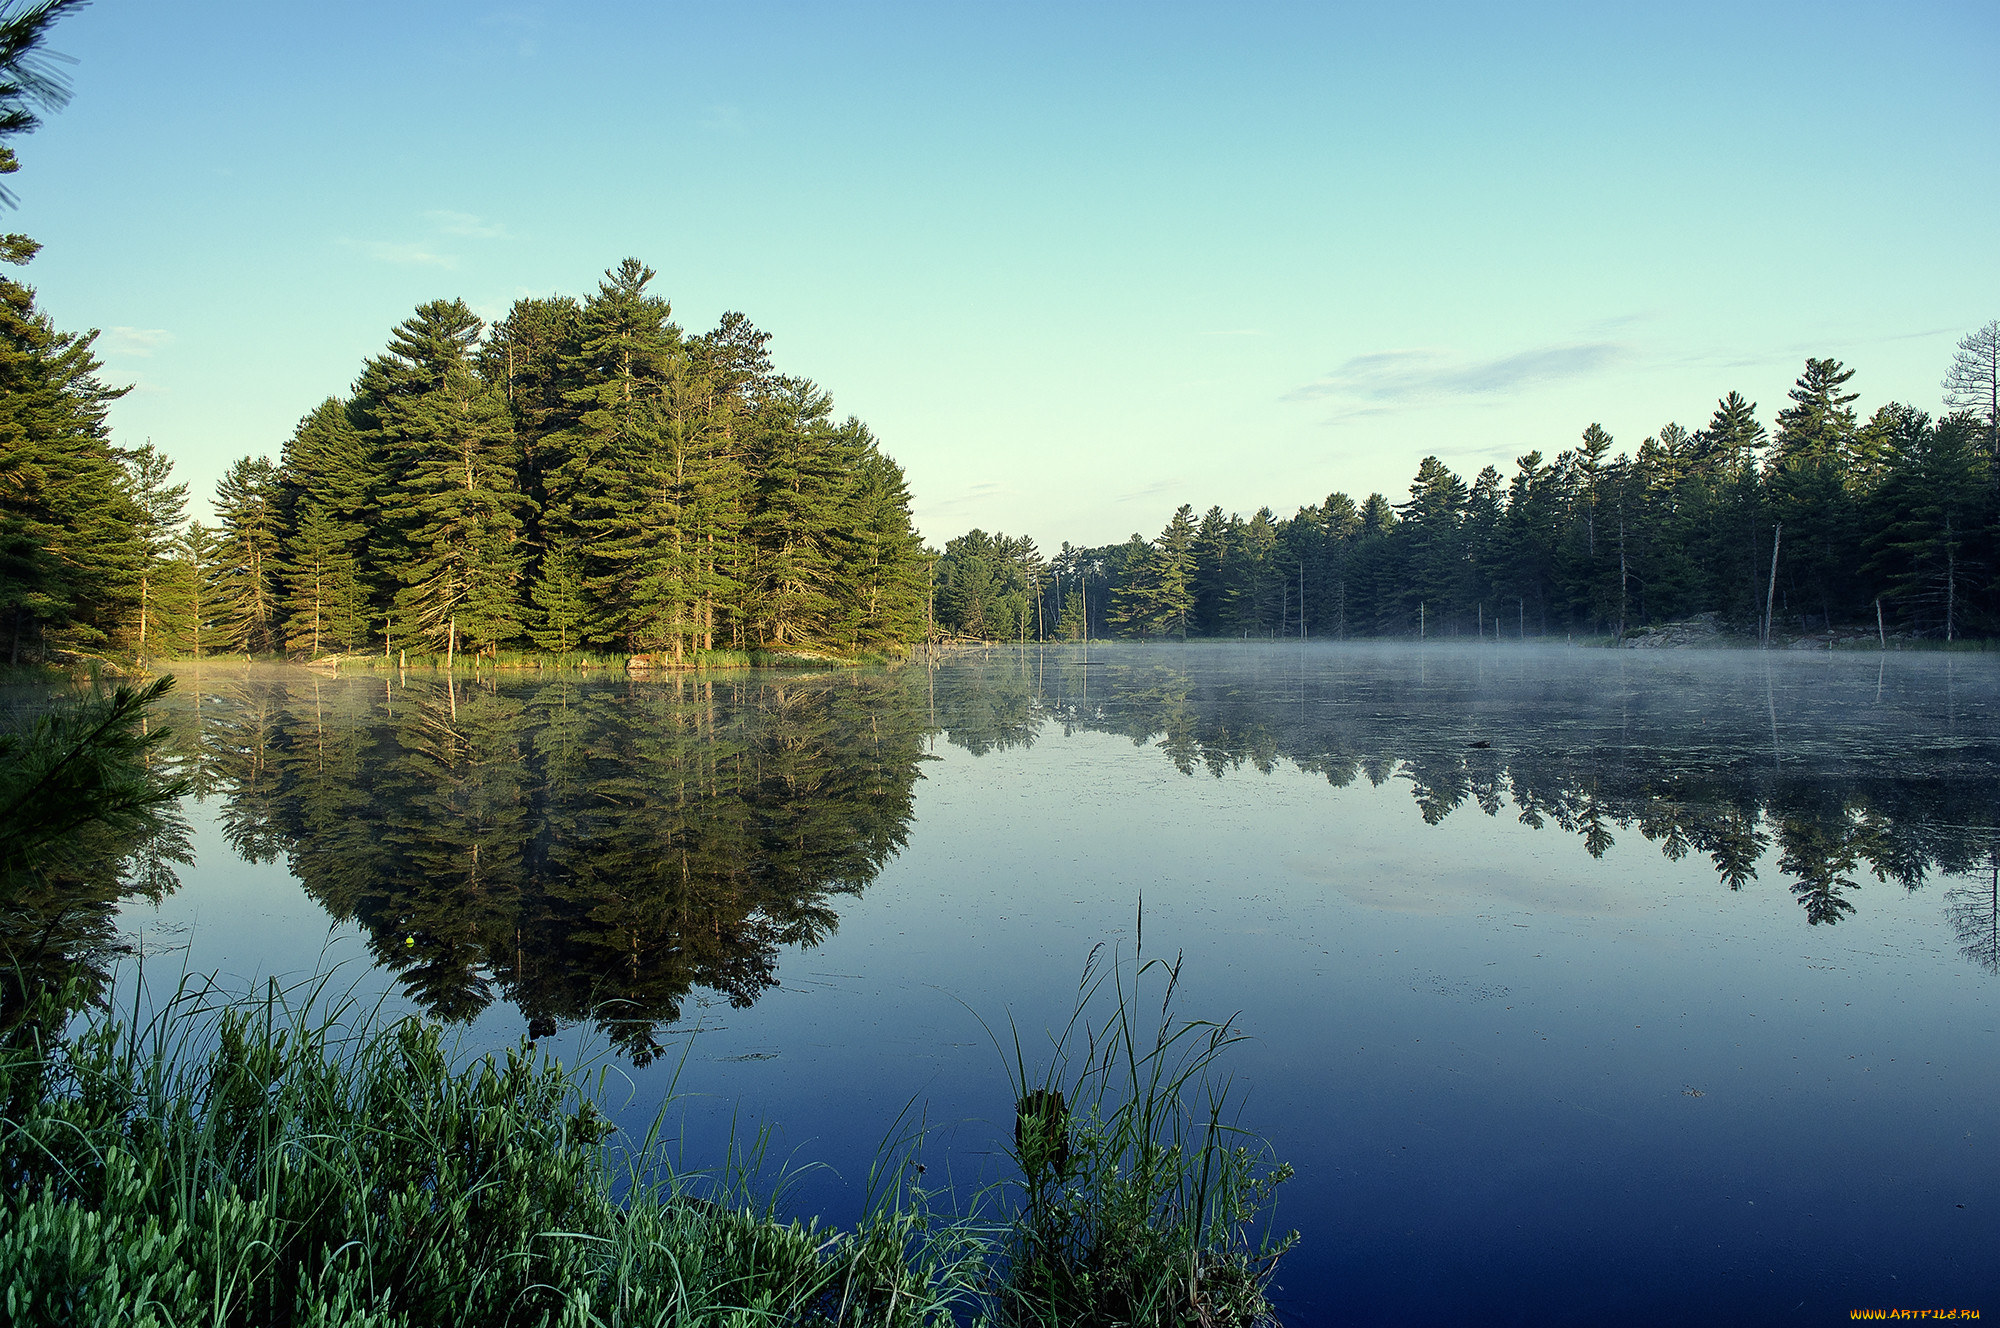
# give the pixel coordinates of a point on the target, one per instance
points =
(1814, 523)
(580, 476)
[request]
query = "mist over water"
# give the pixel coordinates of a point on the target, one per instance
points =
(1583, 984)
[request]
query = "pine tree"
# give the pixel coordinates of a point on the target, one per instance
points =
(612, 497)
(1927, 517)
(248, 557)
(802, 470)
(161, 508)
(69, 559)
(1173, 569)
(453, 500)
(1136, 593)
(1432, 535)
(324, 605)
(197, 630)
(1819, 425)
(557, 624)
(882, 576)
(1807, 478)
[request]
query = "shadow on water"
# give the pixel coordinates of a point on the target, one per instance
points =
(601, 849)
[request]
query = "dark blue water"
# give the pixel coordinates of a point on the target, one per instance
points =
(1582, 986)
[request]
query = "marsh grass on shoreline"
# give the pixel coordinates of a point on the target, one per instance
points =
(297, 1159)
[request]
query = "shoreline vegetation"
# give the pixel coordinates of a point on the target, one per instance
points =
(1701, 632)
(294, 1158)
(1827, 523)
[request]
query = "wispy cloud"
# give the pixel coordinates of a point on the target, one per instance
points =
(1415, 375)
(971, 493)
(139, 342)
(1153, 490)
(464, 223)
(409, 255)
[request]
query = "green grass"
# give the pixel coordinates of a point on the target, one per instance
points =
(1142, 1200)
(295, 1159)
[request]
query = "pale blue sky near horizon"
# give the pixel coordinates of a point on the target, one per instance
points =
(1074, 264)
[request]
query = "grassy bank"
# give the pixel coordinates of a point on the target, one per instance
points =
(289, 1161)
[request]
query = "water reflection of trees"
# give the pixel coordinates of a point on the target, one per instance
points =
(1702, 778)
(58, 902)
(584, 850)
(605, 849)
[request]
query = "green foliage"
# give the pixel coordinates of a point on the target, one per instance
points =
(1143, 1201)
(291, 1162)
(86, 817)
(987, 586)
(1594, 542)
(247, 557)
(581, 476)
(71, 548)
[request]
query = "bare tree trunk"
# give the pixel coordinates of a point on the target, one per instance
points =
(1624, 574)
(1950, 584)
(1771, 587)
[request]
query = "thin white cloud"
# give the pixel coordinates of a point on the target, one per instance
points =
(972, 493)
(1407, 376)
(464, 223)
(139, 342)
(1153, 490)
(408, 255)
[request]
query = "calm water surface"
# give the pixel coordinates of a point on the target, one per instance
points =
(1583, 986)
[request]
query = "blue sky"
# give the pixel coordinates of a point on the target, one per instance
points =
(1075, 264)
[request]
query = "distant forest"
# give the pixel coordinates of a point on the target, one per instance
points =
(1799, 529)
(580, 476)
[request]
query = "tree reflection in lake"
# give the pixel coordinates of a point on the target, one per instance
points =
(1900, 786)
(584, 849)
(602, 848)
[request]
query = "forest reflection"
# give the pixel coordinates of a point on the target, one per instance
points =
(606, 849)
(583, 850)
(1908, 798)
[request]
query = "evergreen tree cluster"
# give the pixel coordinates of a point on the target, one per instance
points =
(580, 476)
(1900, 510)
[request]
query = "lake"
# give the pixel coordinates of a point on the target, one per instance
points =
(1581, 986)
